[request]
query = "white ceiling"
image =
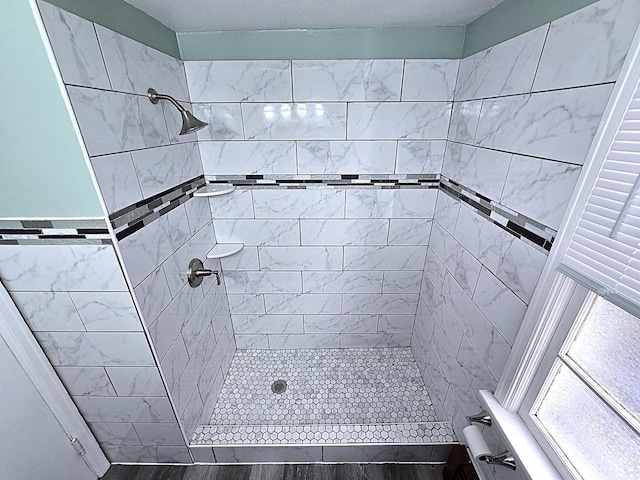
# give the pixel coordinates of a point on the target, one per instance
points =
(211, 15)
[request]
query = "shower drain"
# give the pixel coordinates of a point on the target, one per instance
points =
(279, 386)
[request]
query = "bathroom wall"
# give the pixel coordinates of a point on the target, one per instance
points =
(524, 115)
(336, 166)
(147, 176)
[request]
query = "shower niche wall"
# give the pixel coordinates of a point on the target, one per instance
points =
(387, 258)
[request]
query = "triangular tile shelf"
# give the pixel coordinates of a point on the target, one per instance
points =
(221, 250)
(213, 190)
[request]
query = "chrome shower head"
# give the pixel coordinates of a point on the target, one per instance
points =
(190, 123)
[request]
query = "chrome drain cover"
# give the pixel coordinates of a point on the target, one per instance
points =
(279, 386)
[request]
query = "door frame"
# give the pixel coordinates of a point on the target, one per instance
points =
(24, 346)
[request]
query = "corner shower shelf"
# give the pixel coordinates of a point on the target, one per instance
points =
(221, 250)
(213, 190)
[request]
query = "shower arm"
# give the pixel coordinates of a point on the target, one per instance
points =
(155, 97)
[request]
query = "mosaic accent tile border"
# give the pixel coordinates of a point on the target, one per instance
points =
(309, 181)
(529, 231)
(132, 218)
(392, 433)
(54, 232)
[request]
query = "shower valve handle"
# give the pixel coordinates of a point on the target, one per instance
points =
(197, 272)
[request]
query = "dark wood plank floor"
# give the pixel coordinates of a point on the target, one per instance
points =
(348, 471)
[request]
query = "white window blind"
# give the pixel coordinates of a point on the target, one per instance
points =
(604, 252)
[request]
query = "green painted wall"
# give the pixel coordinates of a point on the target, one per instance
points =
(125, 19)
(515, 17)
(347, 43)
(42, 169)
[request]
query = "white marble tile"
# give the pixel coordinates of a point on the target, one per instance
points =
(93, 349)
(340, 323)
(558, 125)
(60, 267)
(344, 232)
(446, 213)
(420, 156)
(342, 282)
(322, 303)
(257, 232)
(115, 434)
(515, 263)
(267, 454)
(401, 282)
(246, 259)
(192, 412)
(398, 120)
(435, 270)
(134, 67)
(75, 47)
(505, 69)
(479, 169)
(196, 247)
(196, 326)
(203, 455)
(336, 157)
(198, 214)
(238, 204)
(464, 121)
(489, 344)
(308, 340)
(125, 409)
(385, 258)
(86, 381)
(409, 231)
(502, 307)
(239, 81)
(162, 168)
(147, 454)
(588, 46)
(293, 121)
(429, 80)
(248, 342)
(395, 203)
(263, 324)
(395, 323)
(113, 122)
(370, 340)
(540, 189)
(388, 303)
(48, 311)
(159, 433)
(101, 311)
(377, 453)
(252, 304)
(174, 362)
(300, 258)
(304, 203)
(225, 158)
(117, 179)
(136, 381)
(263, 282)
(463, 266)
(346, 80)
(476, 371)
(153, 295)
(224, 119)
(144, 250)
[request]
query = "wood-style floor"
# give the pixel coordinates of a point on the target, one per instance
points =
(348, 471)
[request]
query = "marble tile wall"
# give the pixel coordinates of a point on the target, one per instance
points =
(323, 267)
(136, 154)
(75, 299)
(524, 116)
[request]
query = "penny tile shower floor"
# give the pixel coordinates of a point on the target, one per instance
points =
(361, 395)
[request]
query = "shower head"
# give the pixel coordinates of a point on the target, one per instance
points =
(190, 123)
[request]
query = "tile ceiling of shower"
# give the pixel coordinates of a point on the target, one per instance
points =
(333, 396)
(211, 15)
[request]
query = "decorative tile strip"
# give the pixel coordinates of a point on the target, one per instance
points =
(54, 232)
(526, 229)
(383, 434)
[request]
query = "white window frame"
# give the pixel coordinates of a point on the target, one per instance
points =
(554, 307)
